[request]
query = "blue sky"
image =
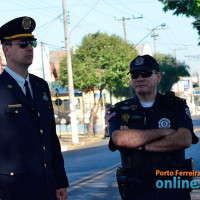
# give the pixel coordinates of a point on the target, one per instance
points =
(90, 16)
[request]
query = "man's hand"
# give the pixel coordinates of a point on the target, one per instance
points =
(124, 127)
(61, 194)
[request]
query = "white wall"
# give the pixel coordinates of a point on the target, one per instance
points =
(41, 64)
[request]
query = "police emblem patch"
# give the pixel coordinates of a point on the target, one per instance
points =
(26, 23)
(139, 61)
(164, 123)
(187, 111)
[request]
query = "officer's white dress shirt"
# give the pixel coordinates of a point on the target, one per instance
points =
(20, 80)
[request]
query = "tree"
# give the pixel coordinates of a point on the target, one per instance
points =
(171, 71)
(189, 8)
(101, 61)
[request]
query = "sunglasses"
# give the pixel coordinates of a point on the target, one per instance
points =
(144, 74)
(24, 43)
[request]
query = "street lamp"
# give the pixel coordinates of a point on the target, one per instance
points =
(152, 30)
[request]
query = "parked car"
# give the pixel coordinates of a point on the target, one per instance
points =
(61, 118)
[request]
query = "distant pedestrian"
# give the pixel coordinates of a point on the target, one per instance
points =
(86, 120)
(31, 163)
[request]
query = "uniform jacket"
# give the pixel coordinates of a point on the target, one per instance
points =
(30, 154)
(167, 111)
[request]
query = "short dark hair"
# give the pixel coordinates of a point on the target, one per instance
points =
(7, 43)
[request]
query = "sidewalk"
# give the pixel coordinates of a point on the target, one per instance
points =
(67, 145)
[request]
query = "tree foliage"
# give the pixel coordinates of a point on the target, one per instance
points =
(171, 71)
(189, 8)
(101, 61)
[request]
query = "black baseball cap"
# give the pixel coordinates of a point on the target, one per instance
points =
(144, 63)
(21, 27)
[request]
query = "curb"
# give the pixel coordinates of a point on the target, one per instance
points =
(79, 145)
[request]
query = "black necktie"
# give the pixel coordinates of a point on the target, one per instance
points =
(28, 93)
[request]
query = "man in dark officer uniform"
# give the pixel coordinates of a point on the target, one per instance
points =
(31, 163)
(151, 132)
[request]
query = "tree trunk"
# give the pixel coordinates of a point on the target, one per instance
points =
(94, 111)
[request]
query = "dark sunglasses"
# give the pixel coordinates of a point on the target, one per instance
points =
(24, 43)
(144, 74)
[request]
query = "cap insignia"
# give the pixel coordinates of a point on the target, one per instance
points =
(26, 23)
(139, 61)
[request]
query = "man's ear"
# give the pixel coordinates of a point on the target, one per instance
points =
(159, 77)
(6, 49)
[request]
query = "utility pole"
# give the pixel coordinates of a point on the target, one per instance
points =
(43, 71)
(74, 127)
(154, 35)
(192, 104)
(175, 50)
(161, 25)
(123, 19)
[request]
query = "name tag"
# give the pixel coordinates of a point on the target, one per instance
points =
(15, 106)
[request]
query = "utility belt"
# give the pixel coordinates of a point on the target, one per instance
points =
(129, 181)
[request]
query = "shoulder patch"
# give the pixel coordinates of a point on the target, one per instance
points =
(113, 114)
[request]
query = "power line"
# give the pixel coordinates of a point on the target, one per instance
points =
(30, 6)
(50, 21)
(85, 15)
(86, 21)
(128, 8)
(103, 13)
(113, 7)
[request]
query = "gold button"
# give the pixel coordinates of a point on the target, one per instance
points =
(38, 114)
(41, 131)
(12, 173)
(16, 111)
(44, 148)
(45, 165)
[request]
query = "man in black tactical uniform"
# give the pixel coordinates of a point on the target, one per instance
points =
(151, 132)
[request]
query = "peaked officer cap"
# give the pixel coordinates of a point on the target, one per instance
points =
(21, 27)
(144, 63)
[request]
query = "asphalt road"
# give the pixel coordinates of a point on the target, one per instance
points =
(91, 171)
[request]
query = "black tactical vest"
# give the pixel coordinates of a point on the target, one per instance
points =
(133, 115)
